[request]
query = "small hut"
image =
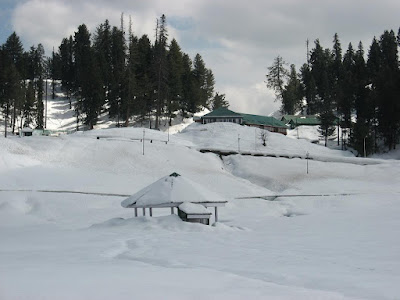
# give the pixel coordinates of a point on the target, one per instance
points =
(26, 131)
(176, 191)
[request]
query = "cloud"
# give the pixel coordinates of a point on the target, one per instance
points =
(238, 40)
(254, 99)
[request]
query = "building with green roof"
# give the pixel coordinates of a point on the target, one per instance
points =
(222, 114)
(294, 121)
(265, 122)
(225, 115)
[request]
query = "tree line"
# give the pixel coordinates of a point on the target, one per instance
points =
(22, 75)
(358, 92)
(108, 72)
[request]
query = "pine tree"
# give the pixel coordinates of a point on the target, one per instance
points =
(292, 94)
(11, 91)
(199, 95)
(129, 85)
(118, 57)
(276, 77)
(2, 77)
(348, 87)
(362, 138)
(373, 67)
(185, 102)
(209, 87)
(309, 89)
(102, 45)
(28, 111)
(39, 62)
(13, 51)
(160, 62)
(219, 101)
(388, 90)
(14, 71)
(67, 67)
(175, 88)
(82, 55)
(92, 94)
(337, 90)
(145, 86)
(321, 66)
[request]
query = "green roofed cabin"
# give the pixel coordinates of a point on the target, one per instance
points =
(264, 122)
(222, 114)
(294, 121)
(225, 115)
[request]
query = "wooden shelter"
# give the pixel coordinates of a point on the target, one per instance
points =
(173, 191)
(26, 131)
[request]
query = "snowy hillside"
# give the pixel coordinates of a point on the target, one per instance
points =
(334, 234)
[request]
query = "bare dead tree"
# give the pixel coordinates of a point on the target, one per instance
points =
(263, 137)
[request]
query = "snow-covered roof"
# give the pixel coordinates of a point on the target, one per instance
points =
(173, 188)
(27, 129)
(193, 208)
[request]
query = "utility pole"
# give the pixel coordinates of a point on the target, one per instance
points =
(143, 141)
(53, 93)
(5, 121)
(45, 112)
(307, 158)
(365, 152)
(255, 138)
(238, 142)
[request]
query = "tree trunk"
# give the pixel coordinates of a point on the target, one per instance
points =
(22, 118)
(326, 137)
(69, 98)
(150, 120)
(14, 118)
(53, 93)
(338, 127)
(5, 120)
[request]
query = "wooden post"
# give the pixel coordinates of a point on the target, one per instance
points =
(144, 211)
(151, 211)
(135, 211)
(172, 210)
(216, 214)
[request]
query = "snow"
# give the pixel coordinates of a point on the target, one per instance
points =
(193, 208)
(333, 233)
(231, 136)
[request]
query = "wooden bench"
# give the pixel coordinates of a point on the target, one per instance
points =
(194, 213)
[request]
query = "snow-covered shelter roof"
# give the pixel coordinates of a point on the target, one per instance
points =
(171, 189)
(27, 129)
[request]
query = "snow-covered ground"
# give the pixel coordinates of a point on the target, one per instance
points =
(59, 240)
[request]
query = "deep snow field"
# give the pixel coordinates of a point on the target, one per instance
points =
(61, 239)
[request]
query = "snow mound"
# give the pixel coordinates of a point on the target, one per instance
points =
(235, 137)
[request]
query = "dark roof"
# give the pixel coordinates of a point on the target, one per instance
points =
(262, 120)
(222, 112)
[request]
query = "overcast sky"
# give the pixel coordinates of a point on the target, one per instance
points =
(238, 40)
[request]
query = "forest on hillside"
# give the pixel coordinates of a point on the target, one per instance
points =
(110, 72)
(358, 92)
